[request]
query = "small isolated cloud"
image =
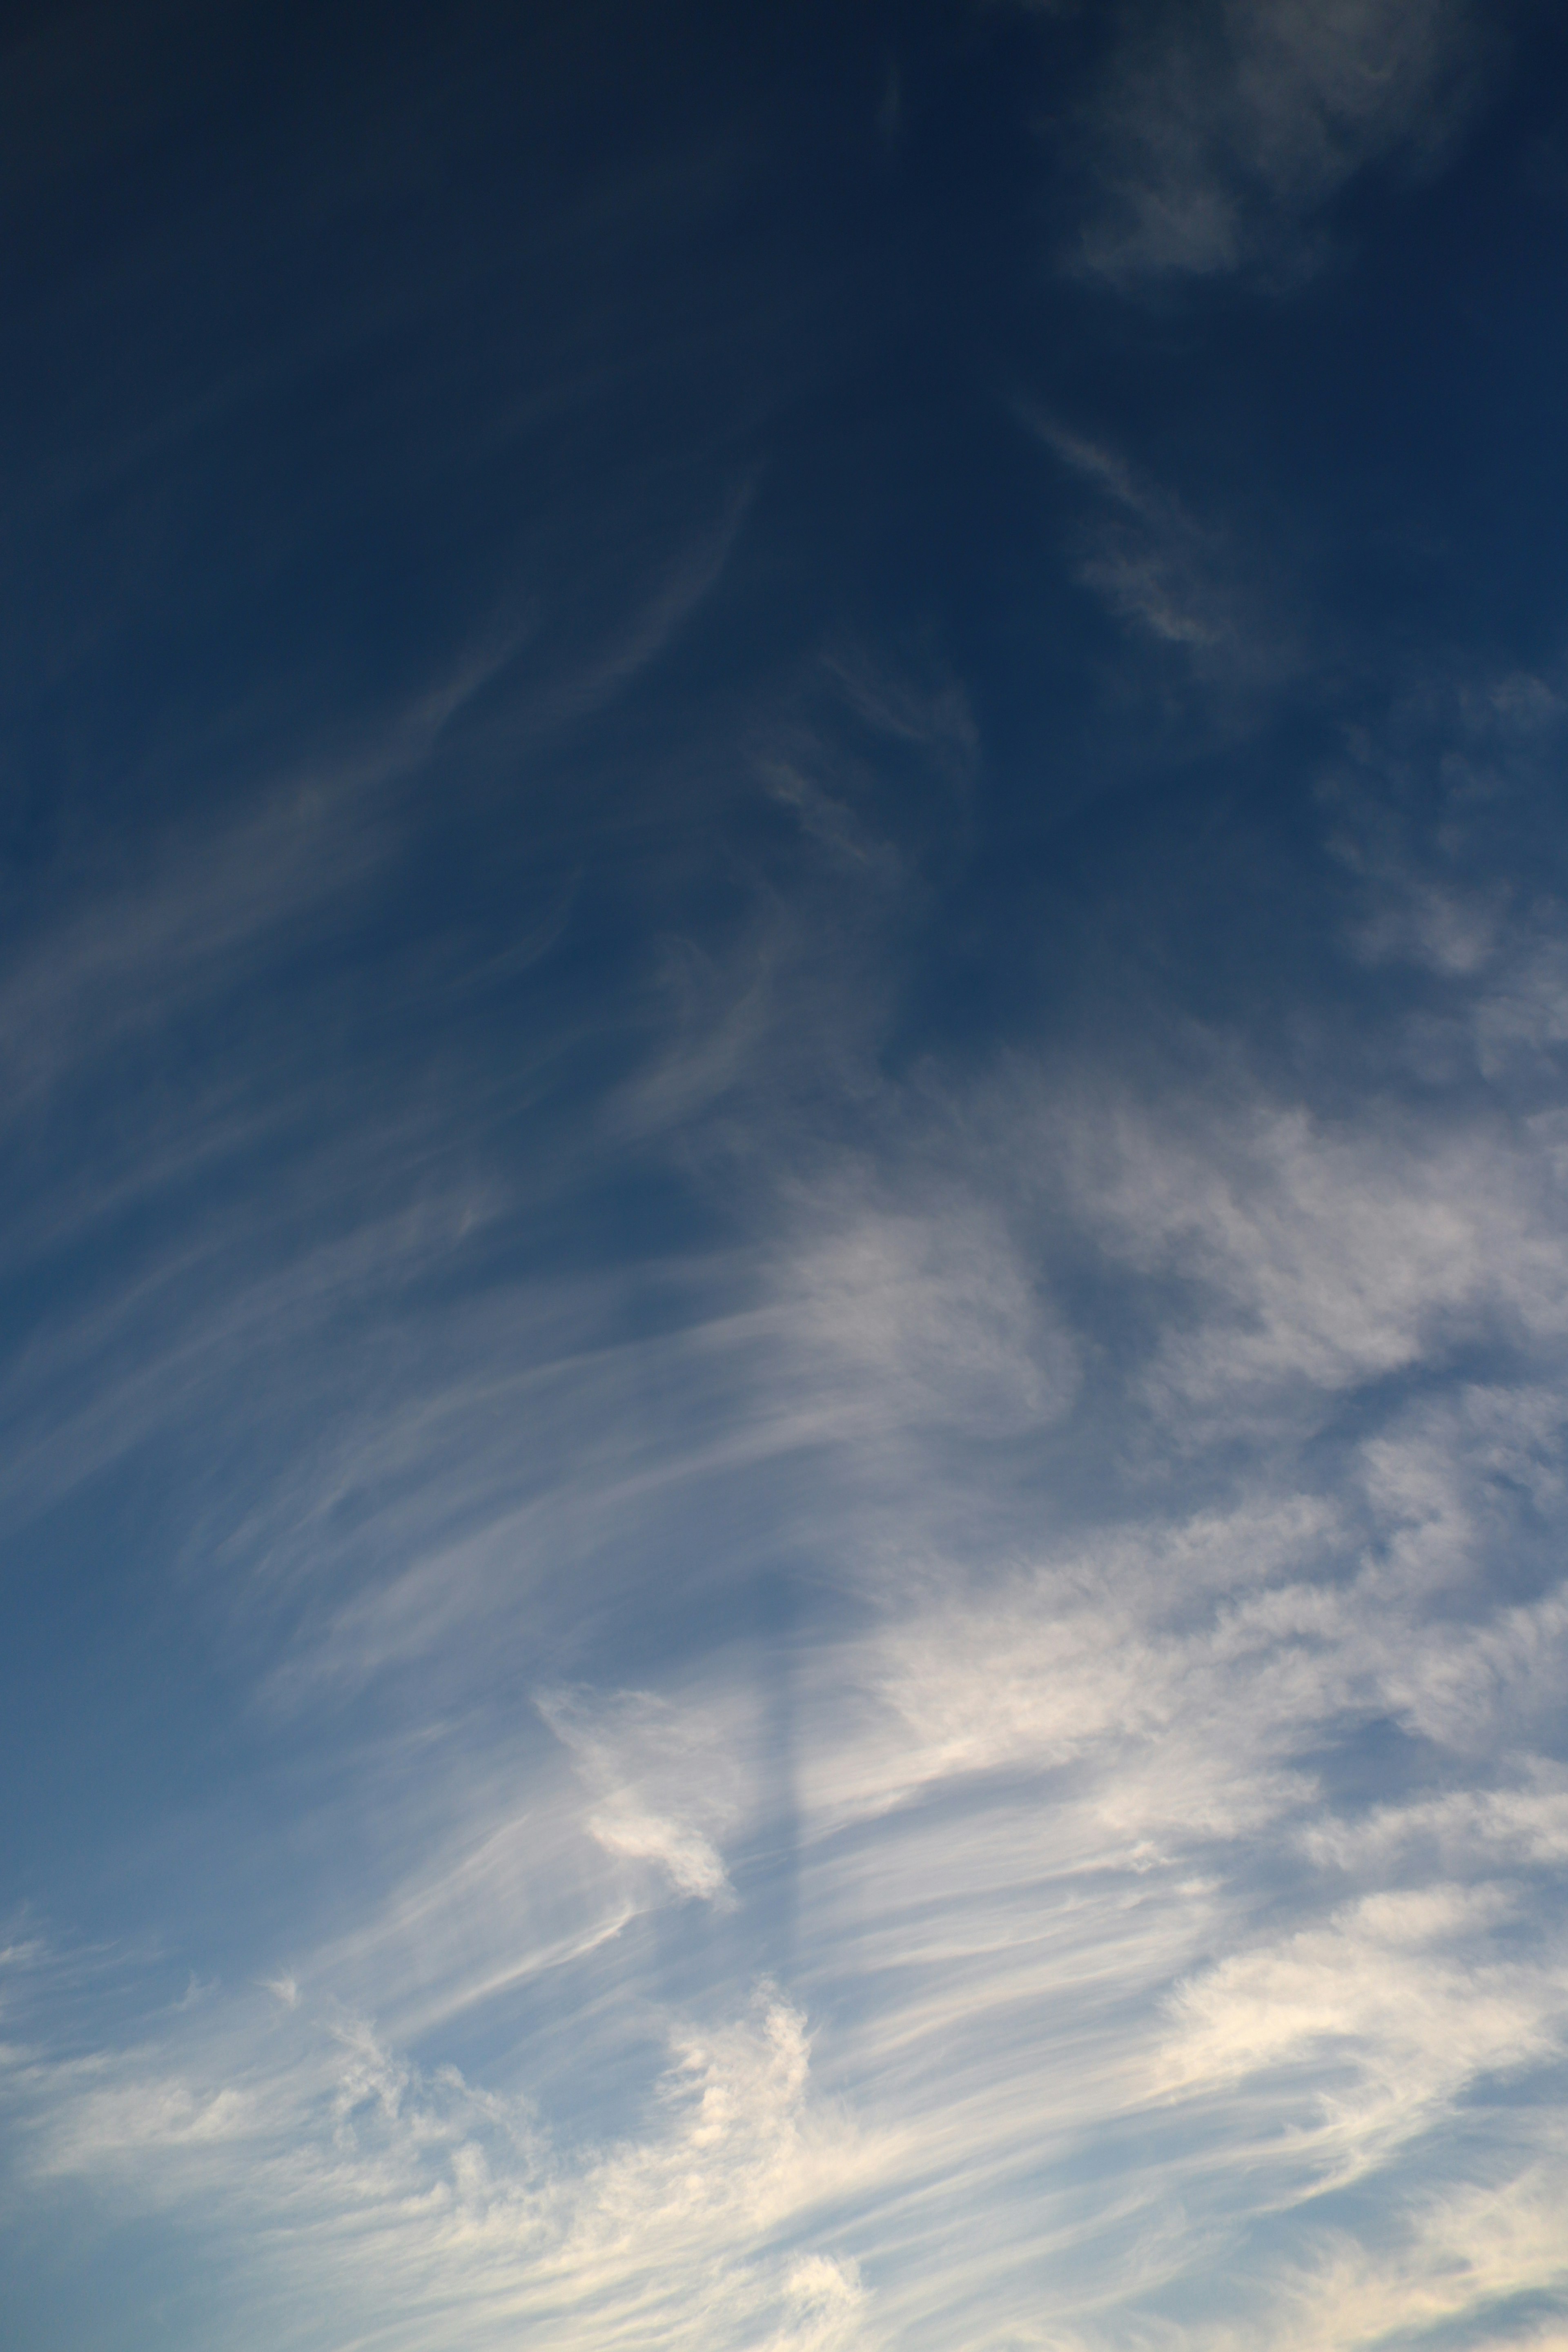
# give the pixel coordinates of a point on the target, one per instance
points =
(1172, 578)
(688, 1859)
(1220, 130)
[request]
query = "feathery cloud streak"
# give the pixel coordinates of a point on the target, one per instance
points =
(1049, 1823)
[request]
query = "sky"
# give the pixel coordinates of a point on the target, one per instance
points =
(784, 995)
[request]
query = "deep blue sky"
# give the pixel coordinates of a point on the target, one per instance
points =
(784, 1274)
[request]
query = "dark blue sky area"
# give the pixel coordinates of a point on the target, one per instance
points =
(334, 347)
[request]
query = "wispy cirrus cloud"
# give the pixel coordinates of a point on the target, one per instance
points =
(1149, 1815)
(387, 2199)
(1176, 580)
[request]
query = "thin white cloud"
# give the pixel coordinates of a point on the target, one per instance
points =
(1174, 579)
(1324, 1259)
(213, 903)
(658, 1775)
(592, 686)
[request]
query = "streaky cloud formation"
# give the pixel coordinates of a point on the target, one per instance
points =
(1031, 1791)
(1218, 132)
(787, 1268)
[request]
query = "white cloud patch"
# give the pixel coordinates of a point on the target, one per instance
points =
(1322, 1259)
(1153, 563)
(925, 1319)
(1382, 2013)
(663, 1781)
(360, 2193)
